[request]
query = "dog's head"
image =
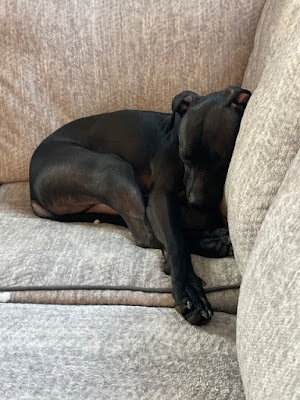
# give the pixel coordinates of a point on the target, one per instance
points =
(207, 132)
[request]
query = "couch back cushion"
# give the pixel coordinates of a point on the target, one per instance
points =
(268, 323)
(62, 60)
(269, 136)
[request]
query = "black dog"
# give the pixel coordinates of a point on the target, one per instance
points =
(160, 174)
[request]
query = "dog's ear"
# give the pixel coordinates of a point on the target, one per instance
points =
(181, 103)
(237, 97)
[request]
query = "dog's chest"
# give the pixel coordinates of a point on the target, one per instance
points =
(144, 180)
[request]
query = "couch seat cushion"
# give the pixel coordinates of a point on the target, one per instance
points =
(80, 263)
(115, 352)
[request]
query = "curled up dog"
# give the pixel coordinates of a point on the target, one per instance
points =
(162, 175)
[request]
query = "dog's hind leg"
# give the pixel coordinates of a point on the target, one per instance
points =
(96, 181)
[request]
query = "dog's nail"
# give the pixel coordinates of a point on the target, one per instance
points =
(96, 222)
(189, 305)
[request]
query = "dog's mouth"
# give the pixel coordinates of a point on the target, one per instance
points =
(182, 197)
(204, 208)
(201, 207)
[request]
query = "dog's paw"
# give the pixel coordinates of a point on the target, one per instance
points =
(222, 243)
(191, 301)
(215, 243)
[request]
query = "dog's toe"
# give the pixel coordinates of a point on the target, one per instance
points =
(197, 317)
(226, 248)
(230, 249)
(183, 307)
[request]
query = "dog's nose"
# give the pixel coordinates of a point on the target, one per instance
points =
(198, 201)
(193, 200)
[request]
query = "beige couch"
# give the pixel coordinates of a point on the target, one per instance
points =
(86, 314)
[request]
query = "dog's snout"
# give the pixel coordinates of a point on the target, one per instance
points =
(194, 190)
(194, 200)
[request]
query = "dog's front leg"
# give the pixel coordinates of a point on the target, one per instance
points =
(188, 292)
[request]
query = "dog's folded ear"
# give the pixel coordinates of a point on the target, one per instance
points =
(181, 102)
(237, 97)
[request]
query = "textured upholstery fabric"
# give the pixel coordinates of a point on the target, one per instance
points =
(115, 352)
(269, 308)
(61, 60)
(101, 261)
(269, 137)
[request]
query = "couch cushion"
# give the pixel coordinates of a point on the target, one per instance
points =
(64, 60)
(269, 308)
(269, 136)
(80, 263)
(115, 352)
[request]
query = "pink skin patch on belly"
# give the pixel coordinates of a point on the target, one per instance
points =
(101, 209)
